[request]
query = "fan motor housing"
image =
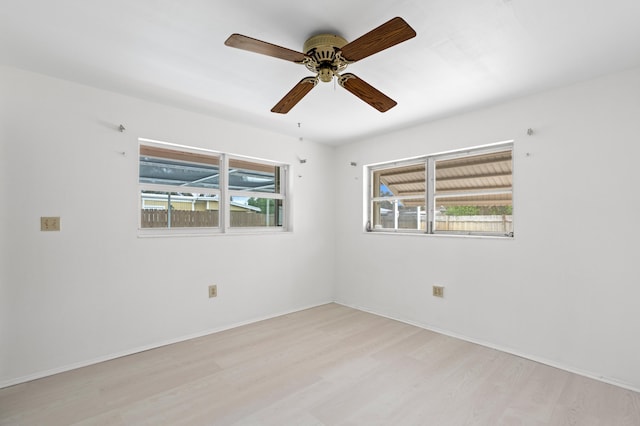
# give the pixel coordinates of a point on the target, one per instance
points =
(322, 50)
(323, 42)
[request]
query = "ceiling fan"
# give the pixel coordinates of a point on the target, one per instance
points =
(327, 56)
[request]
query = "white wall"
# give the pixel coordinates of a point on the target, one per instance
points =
(95, 289)
(563, 292)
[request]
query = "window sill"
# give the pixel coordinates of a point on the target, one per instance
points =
(441, 235)
(164, 233)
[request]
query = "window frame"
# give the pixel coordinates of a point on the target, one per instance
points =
(430, 194)
(280, 194)
(392, 199)
(223, 193)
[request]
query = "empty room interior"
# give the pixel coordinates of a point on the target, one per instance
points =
(418, 212)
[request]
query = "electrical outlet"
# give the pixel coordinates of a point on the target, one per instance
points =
(50, 223)
(213, 291)
(438, 291)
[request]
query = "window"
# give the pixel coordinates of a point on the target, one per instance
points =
(399, 197)
(258, 185)
(467, 192)
(187, 190)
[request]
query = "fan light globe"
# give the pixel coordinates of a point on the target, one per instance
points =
(325, 75)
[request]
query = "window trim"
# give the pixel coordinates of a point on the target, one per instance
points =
(429, 193)
(224, 194)
(394, 199)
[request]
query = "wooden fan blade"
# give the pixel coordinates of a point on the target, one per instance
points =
(386, 35)
(295, 95)
(366, 92)
(240, 41)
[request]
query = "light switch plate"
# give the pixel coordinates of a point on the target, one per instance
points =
(213, 290)
(50, 223)
(438, 291)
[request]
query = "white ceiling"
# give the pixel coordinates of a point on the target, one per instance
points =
(467, 54)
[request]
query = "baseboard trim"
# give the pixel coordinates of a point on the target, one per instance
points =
(551, 363)
(505, 349)
(74, 366)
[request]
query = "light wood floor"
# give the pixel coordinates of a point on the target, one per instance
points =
(324, 366)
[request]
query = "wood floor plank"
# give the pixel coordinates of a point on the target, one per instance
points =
(329, 365)
(534, 401)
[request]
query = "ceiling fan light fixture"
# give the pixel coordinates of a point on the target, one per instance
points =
(322, 56)
(327, 56)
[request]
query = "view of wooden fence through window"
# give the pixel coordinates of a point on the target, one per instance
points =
(484, 224)
(200, 219)
(481, 223)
